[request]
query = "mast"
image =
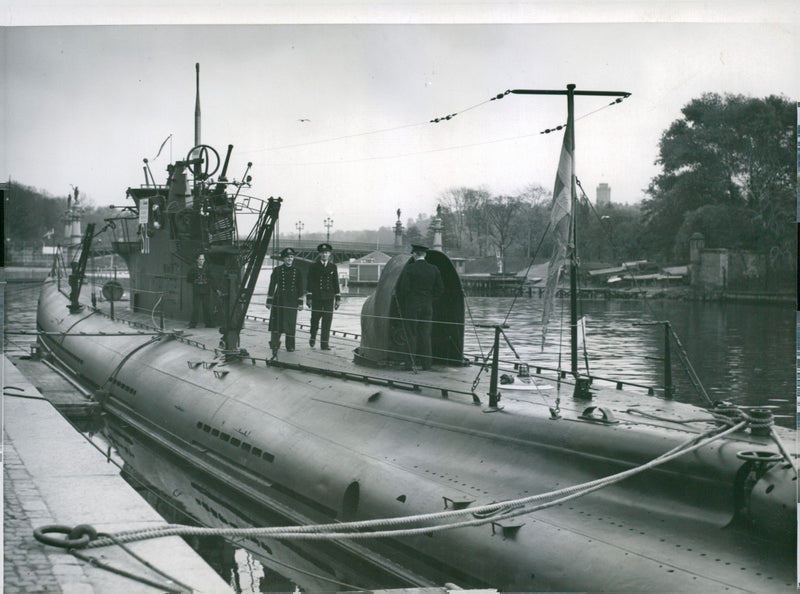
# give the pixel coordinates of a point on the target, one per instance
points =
(197, 106)
(581, 384)
(573, 238)
(197, 167)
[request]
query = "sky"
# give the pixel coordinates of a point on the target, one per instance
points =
(334, 110)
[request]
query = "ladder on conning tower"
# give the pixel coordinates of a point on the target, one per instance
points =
(252, 260)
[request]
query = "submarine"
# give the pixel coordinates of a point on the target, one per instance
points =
(433, 477)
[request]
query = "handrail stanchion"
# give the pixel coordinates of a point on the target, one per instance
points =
(667, 363)
(494, 395)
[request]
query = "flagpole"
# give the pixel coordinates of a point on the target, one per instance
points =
(573, 239)
(581, 384)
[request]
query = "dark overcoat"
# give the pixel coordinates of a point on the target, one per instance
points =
(323, 281)
(284, 296)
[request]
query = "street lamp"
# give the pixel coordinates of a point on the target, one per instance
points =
(328, 224)
(299, 226)
(608, 223)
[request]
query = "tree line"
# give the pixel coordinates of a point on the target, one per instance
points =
(728, 171)
(33, 217)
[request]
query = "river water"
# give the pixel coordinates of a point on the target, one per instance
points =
(744, 353)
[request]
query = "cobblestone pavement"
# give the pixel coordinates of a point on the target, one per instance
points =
(27, 566)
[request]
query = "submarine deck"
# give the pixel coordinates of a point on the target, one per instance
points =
(470, 382)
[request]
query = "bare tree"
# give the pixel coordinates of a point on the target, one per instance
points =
(462, 207)
(534, 219)
(502, 217)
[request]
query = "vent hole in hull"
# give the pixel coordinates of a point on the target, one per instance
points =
(350, 500)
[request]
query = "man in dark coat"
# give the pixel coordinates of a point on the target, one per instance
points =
(322, 294)
(285, 299)
(199, 277)
(419, 285)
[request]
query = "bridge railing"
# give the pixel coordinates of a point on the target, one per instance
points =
(346, 249)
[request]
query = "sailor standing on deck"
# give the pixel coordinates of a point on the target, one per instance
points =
(419, 285)
(322, 295)
(285, 298)
(199, 277)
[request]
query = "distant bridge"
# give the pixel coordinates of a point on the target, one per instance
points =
(343, 250)
(307, 248)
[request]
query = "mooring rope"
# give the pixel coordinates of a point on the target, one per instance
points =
(776, 438)
(132, 576)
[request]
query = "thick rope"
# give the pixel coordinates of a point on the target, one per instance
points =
(127, 574)
(776, 438)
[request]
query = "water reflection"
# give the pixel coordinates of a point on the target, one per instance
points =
(184, 495)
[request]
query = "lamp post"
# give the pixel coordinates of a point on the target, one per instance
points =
(328, 224)
(608, 223)
(299, 226)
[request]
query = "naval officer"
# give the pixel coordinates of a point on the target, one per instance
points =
(284, 299)
(419, 285)
(322, 294)
(199, 276)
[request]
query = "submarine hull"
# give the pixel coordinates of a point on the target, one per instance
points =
(320, 449)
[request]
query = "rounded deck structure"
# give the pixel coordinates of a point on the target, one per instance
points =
(383, 339)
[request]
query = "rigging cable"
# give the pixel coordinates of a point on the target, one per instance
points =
(528, 269)
(437, 120)
(505, 319)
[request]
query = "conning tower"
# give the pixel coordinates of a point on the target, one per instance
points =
(383, 339)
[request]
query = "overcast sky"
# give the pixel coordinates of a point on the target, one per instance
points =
(83, 105)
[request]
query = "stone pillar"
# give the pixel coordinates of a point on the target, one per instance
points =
(398, 232)
(72, 227)
(696, 244)
(436, 227)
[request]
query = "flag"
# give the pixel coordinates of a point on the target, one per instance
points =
(560, 222)
(161, 148)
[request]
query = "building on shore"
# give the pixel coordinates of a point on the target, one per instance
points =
(603, 195)
(367, 270)
(722, 268)
(638, 273)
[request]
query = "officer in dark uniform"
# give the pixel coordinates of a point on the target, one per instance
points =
(419, 285)
(285, 298)
(199, 277)
(322, 294)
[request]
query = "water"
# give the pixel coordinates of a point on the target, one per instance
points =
(741, 352)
